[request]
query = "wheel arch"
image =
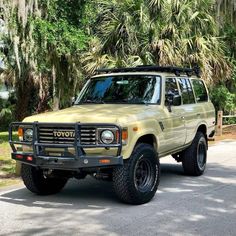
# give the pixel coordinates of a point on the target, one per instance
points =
(148, 139)
(145, 137)
(203, 128)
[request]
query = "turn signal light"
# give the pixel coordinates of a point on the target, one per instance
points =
(20, 132)
(104, 161)
(125, 134)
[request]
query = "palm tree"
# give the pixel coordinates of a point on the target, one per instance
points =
(226, 19)
(226, 9)
(171, 32)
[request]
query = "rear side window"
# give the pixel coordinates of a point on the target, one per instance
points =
(200, 90)
(186, 91)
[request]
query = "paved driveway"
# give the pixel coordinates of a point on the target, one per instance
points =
(183, 205)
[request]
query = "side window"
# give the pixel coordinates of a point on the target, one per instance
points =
(171, 86)
(190, 92)
(186, 91)
(171, 89)
(200, 90)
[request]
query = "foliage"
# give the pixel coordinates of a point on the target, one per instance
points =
(7, 170)
(53, 45)
(7, 108)
(229, 121)
(61, 38)
(158, 32)
(229, 32)
(223, 99)
(44, 40)
(224, 93)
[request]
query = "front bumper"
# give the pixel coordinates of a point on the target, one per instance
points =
(67, 163)
(80, 160)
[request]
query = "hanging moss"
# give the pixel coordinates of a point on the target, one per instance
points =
(43, 35)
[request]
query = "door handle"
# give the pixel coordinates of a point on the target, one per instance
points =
(198, 114)
(182, 117)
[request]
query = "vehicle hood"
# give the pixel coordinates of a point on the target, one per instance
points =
(99, 113)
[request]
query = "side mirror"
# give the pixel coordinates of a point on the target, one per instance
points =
(177, 100)
(172, 100)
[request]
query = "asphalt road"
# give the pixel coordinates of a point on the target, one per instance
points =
(183, 205)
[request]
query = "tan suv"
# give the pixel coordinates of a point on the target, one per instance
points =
(123, 121)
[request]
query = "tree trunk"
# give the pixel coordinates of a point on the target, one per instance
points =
(56, 100)
(24, 90)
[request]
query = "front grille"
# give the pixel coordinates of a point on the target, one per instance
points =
(46, 135)
(66, 135)
(88, 135)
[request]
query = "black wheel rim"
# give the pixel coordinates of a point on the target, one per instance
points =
(201, 155)
(143, 175)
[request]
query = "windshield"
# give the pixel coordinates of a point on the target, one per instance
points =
(131, 89)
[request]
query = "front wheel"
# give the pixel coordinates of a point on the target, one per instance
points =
(36, 182)
(137, 180)
(194, 157)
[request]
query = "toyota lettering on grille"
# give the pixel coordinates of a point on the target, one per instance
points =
(63, 134)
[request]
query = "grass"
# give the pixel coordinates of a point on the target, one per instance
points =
(7, 165)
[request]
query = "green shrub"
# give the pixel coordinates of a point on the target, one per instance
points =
(7, 108)
(223, 99)
(229, 121)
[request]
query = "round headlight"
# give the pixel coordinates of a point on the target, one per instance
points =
(28, 135)
(107, 137)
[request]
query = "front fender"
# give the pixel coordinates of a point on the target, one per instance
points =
(135, 136)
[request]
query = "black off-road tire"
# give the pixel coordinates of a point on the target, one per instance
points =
(195, 156)
(36, 182)
(130, 183)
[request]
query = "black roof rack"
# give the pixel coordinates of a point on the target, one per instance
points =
(170, 69)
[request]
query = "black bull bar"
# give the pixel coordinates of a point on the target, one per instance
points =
(38, 157)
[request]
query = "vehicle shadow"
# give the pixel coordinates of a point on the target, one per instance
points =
(76, 194)
(93, 204)
(83, 194)
(91, 193)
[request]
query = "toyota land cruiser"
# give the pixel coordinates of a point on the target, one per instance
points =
(122, 123)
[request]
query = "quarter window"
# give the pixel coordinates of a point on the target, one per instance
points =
(186, 91)
(200, 90)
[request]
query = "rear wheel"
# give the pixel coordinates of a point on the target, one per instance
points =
(137, 180)
(36, 182)
(194, 157)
